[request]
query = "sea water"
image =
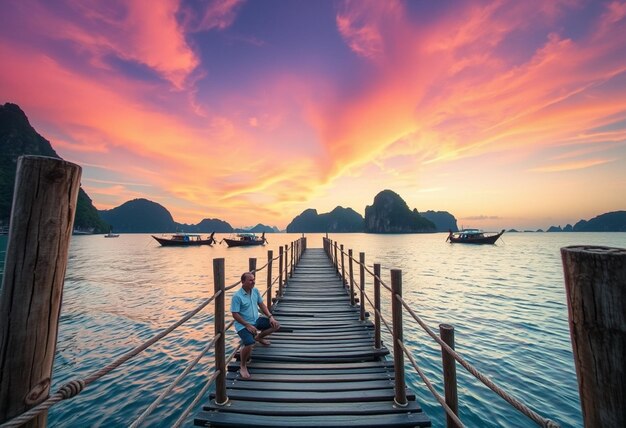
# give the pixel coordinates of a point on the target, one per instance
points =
(507, 303)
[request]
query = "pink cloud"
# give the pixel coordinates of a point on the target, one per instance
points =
(217, 14)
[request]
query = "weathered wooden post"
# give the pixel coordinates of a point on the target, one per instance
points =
(270, 255)
(377, 342)
(446, 332)
(286, 264)
(352, 301)
(336, 259)
(398, 336)
(280, 271)
(292, 259)
(42, 219)
(595, 284)
(219, 285)
(343, 267)
(252, 265)
(362, 284)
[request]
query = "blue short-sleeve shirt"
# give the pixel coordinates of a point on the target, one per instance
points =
(247, 304)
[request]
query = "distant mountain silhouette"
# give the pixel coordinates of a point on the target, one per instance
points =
(339, 220)
(18, 138)
(259, 228)
(140, 215)
(390, 214)
(608, 222)
(443, 220)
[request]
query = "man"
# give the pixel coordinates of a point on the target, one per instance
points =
(250, 327)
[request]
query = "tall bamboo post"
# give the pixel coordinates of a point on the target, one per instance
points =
(270, 256)
(219, 288)
(595, 284)
(343, 267)
(352, 301)
(377, 341)
(280, 271)
(362, 284)
(446, 332)
(42, 219)
(398, 336)
(252, 265)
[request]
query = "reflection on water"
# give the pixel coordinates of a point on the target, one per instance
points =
(507, 303)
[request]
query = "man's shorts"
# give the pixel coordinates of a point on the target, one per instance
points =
(247, 338)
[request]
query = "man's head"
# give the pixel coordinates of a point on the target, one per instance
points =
(247, 281)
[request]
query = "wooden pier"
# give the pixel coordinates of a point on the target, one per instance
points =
(322, 368)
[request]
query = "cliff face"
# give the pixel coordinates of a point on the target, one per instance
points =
(339, 220)
(18, 138)
(390, 214)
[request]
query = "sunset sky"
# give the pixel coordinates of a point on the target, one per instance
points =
(504, 113)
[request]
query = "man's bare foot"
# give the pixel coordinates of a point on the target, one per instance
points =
(263, 342)
(243, 371)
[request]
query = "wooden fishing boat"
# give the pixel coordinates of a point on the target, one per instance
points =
(185, 240)
(473, 236)
(245, 240)
(111, 234)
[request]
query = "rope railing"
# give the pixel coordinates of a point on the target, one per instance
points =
(74, 387)
(535, 417)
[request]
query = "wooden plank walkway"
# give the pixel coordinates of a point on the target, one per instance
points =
(321, 370)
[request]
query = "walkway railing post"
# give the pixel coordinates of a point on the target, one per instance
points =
(343, 267)
(336, 259)
(219, 288)
(352, 300)
(362, 284)
(595, 284)
(286, 264)
(446, 332)
(270, 256)
(292, 258)
(398, 336)
(280, 271)
(252, 265)
(377, 342)
(32, 286)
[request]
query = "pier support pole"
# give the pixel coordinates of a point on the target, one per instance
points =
(219, 285)
(343, 267)
(280, 271)
(398, 336)
(42, 218)
(292, 259)
(352, 300)
(252, 266)
(377, 342)
(270, 256)
(362, 285)
(286, 254)
(446, 332)
(595, 284)
(336, 260)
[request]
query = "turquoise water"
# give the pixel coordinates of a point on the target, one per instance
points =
(507, 303)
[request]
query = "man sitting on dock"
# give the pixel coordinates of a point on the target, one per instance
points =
(250, 327)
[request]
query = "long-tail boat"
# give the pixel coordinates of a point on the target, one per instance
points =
(473, 236)
(245, 240)
(185, 239)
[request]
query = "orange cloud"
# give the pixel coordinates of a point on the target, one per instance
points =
(569, 166)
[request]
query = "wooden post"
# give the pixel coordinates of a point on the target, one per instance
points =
(286, 264)
(252, 265)
(352, 301)
(280, 270)
(398, 336)
(595, 284)
(377, 342)
(42, 219)
(343, 267)
(446, 332)
(336, 259)
(219, 285)
(362, 284)
(270, 255)
(291, 269)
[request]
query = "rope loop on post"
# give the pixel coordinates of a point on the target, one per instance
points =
(71, 389)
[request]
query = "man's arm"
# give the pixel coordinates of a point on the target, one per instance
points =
(237, 316)
(267, 313)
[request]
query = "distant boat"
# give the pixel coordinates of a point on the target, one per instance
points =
(88, 231)
(473, 236)
(185, 239)
(111, 234)
(245, 240)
